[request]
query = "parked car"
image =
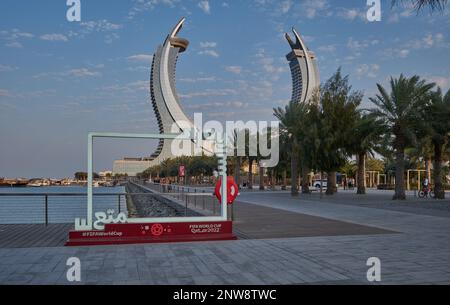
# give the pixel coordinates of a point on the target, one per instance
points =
(316, 184)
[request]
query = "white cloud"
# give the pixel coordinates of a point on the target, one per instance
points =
(208, 44)
(352, 14)
(268, 64)
(209, 93)
(403, 53)
(204, 6)
(141, 58)
(132, 87)
(4, 68)
(15, 34)
(393, 18)
(393, 53)
(441, 81)
(313, 7)
(215, 105)
(328, 48)
(139, 69)
(54, 37)
(110, 38)
(365, 70)
(82, 72)
(427, 42)
(198, 79)
(148, 5)
(14, 44)
(100, 26)
(4, 92)
(211, 53)
(79, 73)
(286, 6)
(234, 69)
(357, 46)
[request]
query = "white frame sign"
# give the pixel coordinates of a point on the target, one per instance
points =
(88, 225)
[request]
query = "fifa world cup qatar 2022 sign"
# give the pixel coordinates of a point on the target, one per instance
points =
(108, 229)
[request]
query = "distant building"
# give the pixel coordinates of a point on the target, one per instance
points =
(130, 166)
(166, 105)
(303, 64)
(105, 174)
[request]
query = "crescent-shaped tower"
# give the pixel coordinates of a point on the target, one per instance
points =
(303, 64)
(165, 100)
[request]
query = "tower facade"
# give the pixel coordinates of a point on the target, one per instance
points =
(304, 70)
(165, 100)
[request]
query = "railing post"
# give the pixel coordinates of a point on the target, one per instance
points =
(203, 196)
(186, 204)
(46, 210)
(195, 198)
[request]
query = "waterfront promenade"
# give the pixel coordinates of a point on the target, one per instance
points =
(305, 240)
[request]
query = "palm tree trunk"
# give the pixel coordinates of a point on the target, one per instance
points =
(294, 171)
(331, 183)
(261, 178)
(237, 171)
(273, 179)
(361, 174)
(284, 186)
(250, 173)
(399, 168)
(428, 168)
(438, 187)
(305, 179)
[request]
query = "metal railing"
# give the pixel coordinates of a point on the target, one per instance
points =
(52, 208)
(193, 197)
(46, 208)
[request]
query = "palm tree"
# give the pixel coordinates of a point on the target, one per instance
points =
(367, 136)
(339, 113)
(288, 117)
(438, 118)
(422, 152)
(402, 111)
(421, 4)
(285, 148)
(250, 138)
(236, 159)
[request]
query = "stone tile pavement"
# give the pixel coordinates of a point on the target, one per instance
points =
(419, 254)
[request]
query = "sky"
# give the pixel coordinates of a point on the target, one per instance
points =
(60, 80)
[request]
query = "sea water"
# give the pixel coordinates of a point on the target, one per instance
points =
(16, 209)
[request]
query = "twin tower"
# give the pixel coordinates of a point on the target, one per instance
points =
(166, 103)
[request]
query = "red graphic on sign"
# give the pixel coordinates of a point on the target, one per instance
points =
(182, 171)
(232, 190)
(132, 233)
(157, 230)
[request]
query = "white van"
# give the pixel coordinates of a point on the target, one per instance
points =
(316, 184)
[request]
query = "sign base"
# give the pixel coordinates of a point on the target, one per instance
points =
(119, 234)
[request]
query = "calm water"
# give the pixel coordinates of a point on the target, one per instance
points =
(61, 209)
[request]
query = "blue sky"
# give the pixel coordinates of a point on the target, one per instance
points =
(60, 80)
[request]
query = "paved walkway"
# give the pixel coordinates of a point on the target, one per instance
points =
(32, 235)
(418, 254)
